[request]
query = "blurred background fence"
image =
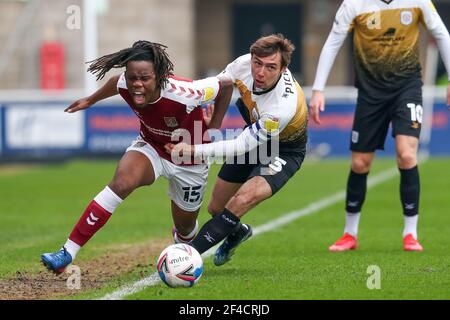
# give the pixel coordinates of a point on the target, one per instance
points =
(45, 44)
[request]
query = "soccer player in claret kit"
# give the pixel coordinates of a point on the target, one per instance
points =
(274, 107)
(388, 78)
(164, 104)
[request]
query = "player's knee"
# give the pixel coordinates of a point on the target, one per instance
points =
(361, 165)
(123, 187)
(406, 160)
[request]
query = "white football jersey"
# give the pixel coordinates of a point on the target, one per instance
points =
(280, 110)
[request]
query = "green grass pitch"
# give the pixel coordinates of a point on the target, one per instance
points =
(40, 205)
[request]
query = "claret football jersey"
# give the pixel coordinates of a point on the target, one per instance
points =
(174, 110)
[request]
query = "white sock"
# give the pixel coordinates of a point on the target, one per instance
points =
(411, 226)
(108, 200)
(188, 237)
(72, 248)
(351, 223)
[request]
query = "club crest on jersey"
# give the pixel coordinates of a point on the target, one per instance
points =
(406, 17)
(171, 122)
(272, 124)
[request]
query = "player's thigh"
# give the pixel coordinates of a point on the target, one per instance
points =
(280, 169)
(139, 166)
(187, 184)
(408, 114)
(370, 127)
(183, 220)
(221, 194)
(134, 170)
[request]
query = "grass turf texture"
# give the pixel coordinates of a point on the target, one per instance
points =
(39, 208)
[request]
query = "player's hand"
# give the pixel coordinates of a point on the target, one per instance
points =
(448, 96)
(179, 150)
(78, 105)
(317, 105)
(207, 114)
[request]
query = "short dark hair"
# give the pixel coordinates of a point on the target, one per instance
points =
(268, 45)
(140, 51)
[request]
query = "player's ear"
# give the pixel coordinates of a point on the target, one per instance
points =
(283, 69)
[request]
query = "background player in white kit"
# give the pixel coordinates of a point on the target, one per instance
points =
(388, 78)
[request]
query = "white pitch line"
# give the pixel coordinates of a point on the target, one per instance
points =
(314, 207)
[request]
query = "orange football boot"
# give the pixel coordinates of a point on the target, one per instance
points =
(346, 242)
(411, 244)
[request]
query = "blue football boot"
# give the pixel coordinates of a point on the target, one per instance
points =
(226, 250)
(57, 261)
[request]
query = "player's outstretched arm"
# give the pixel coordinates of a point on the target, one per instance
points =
(221, 103)
(109, 89)
(448, 96)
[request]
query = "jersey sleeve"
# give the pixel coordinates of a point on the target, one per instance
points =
(345, 16)
(430, 16)
(193, 93)
(435, 25)
(343, 24)
(232, 70)
(122, 84)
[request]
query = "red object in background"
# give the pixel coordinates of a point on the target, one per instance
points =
(52, 66)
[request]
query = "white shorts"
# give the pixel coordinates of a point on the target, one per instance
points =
(187, 184)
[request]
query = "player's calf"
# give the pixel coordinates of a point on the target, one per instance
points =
(180, 238)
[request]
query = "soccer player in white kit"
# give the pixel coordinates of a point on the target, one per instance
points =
(273, 105)
(388, 78)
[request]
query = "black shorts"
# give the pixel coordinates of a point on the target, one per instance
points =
(277, 171)
(371, 121)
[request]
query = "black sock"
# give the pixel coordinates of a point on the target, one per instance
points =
(356, 191)
(215, 230)
(410, 191)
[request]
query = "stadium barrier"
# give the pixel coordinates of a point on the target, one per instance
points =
(34, 126)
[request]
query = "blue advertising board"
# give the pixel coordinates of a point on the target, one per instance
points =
(43, 129)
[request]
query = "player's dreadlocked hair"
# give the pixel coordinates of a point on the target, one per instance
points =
(140, 51)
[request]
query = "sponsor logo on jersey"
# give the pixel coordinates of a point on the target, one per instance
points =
(406, 17)
(171, 122)
(390, 32)
(208, 94)
(415, 125)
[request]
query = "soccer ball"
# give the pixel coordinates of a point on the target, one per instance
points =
(180, 265)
